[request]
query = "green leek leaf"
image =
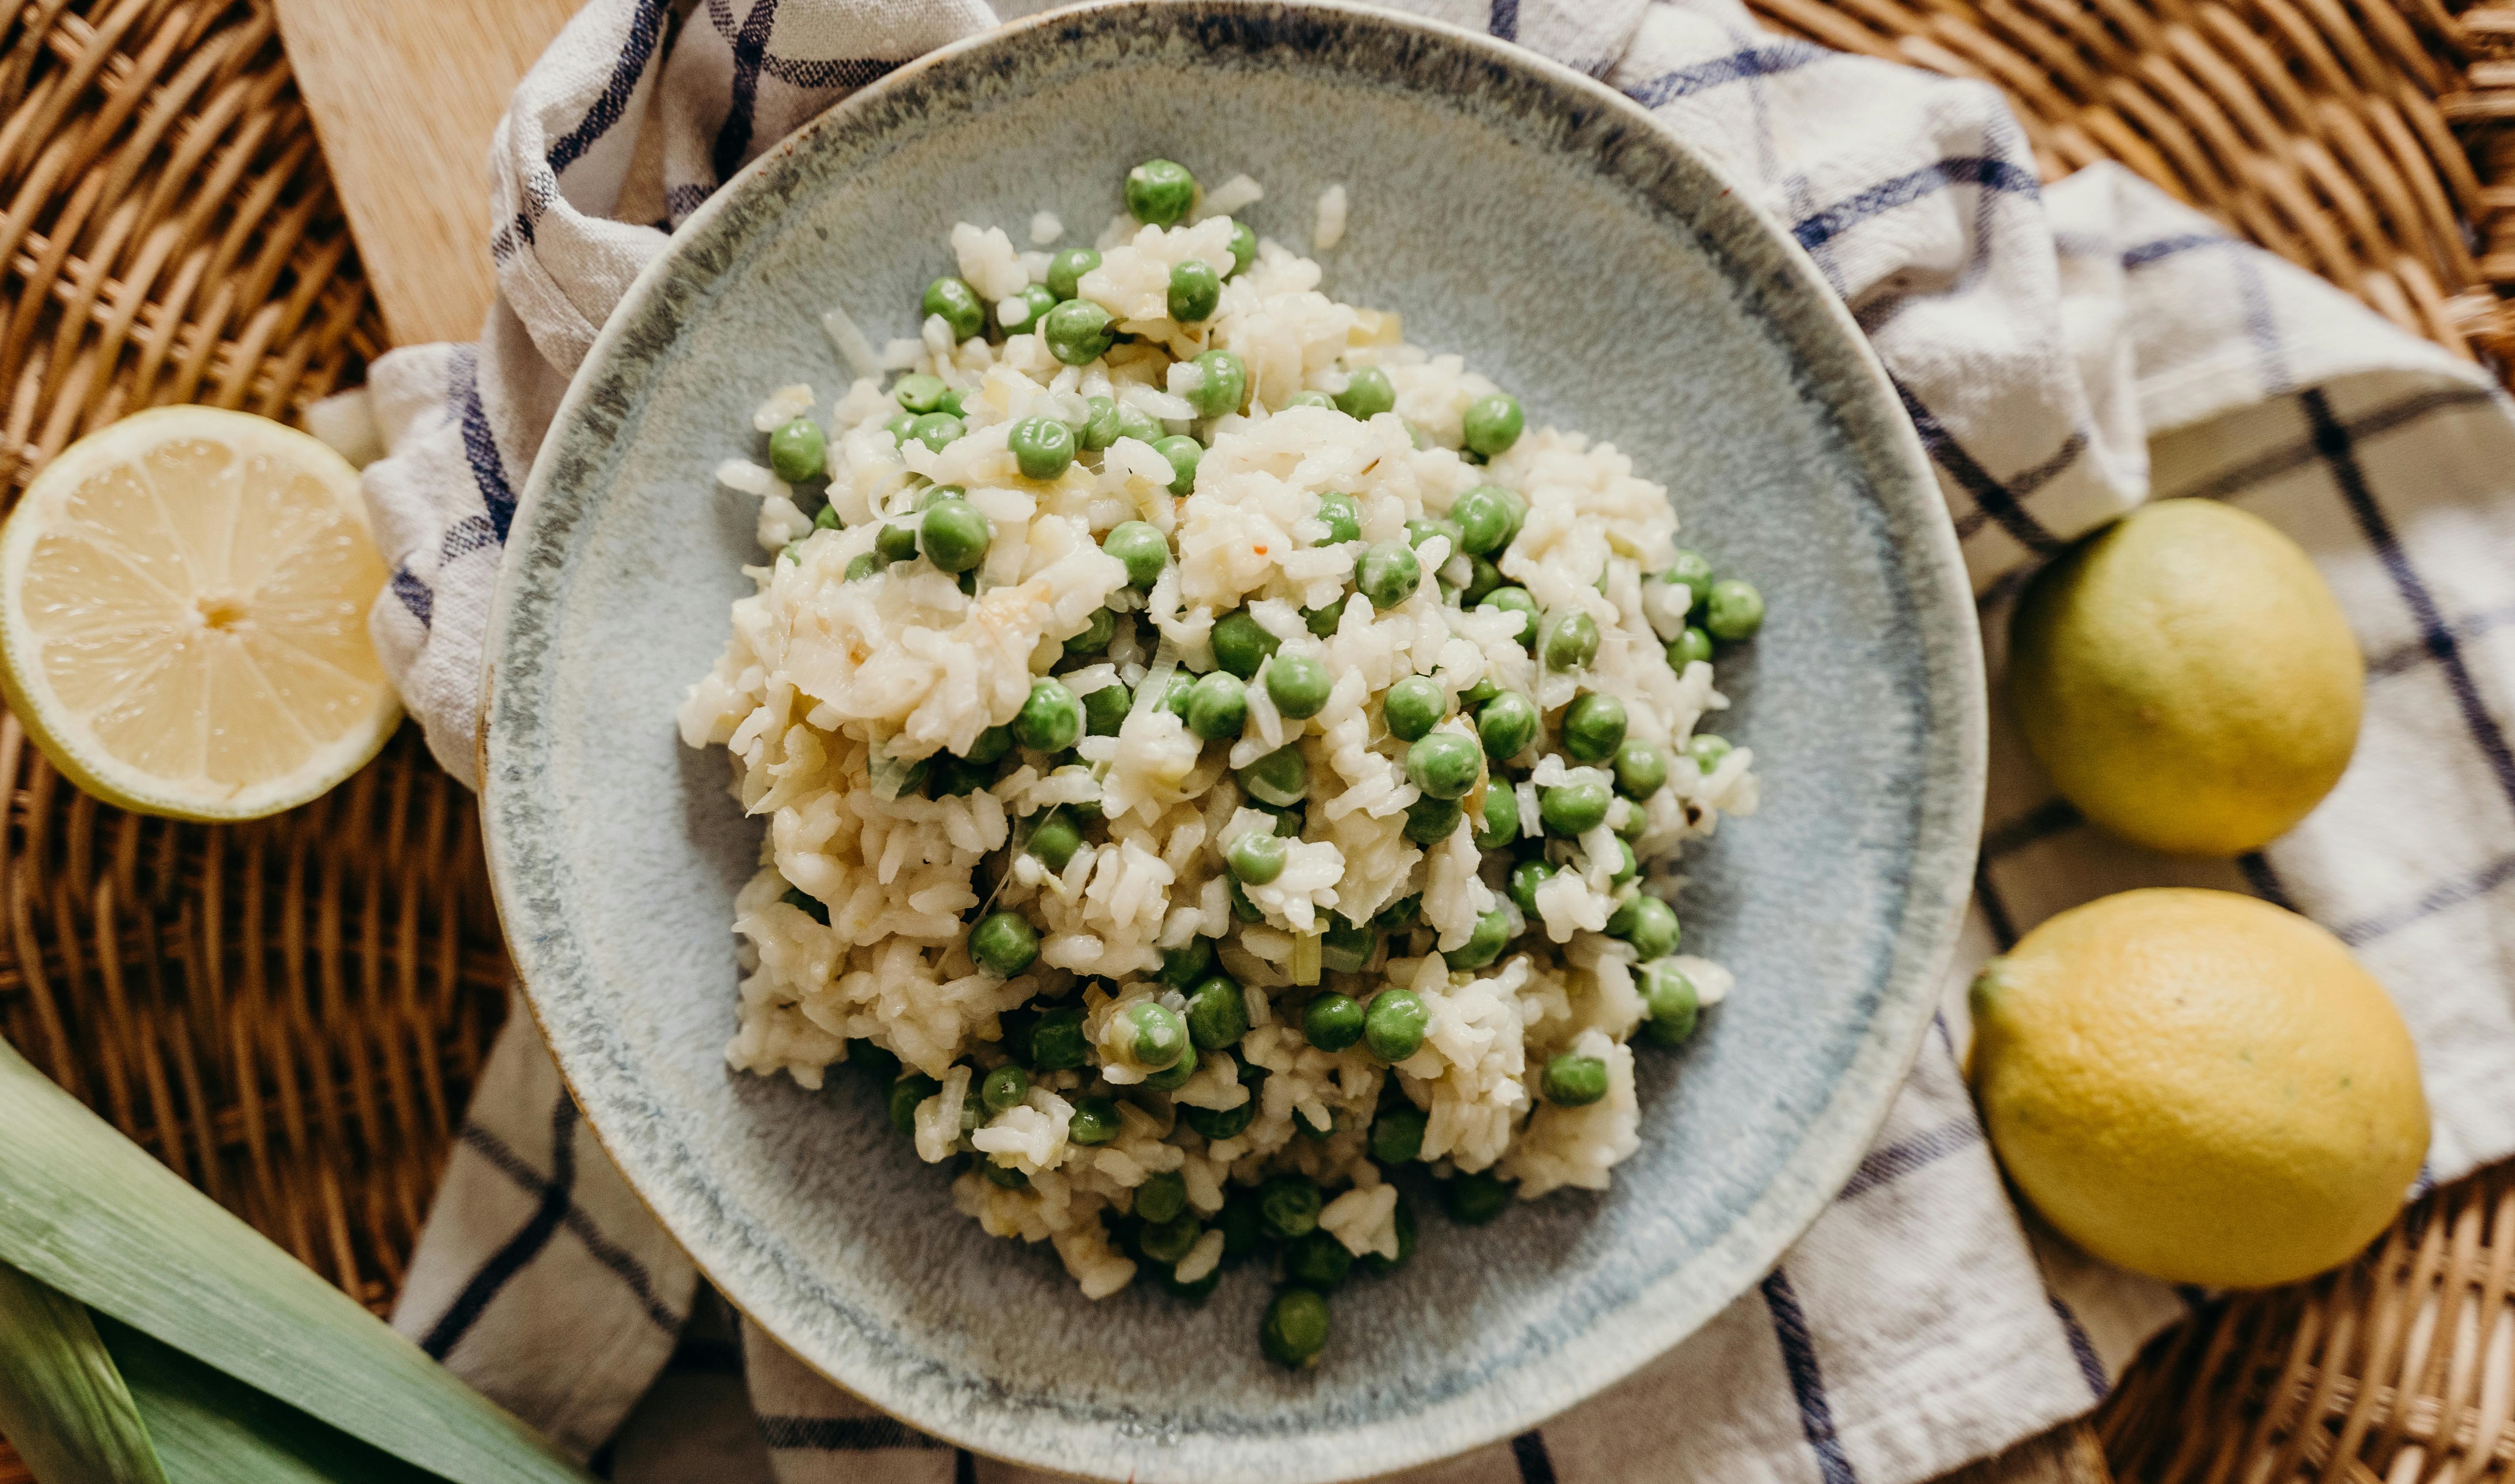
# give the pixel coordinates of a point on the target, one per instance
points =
(212, 1428)
(62, 1403)
(87, 1212)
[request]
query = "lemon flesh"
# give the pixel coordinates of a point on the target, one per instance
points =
(183, 607)
(2187, 679)
(2198, 1086)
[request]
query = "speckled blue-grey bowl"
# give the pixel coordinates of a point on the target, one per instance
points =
(1513, 211)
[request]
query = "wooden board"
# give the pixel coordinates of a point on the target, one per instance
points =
(405, 94)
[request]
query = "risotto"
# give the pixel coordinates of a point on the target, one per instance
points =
(1215, 757)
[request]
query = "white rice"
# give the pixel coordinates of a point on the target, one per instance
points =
(830, 692)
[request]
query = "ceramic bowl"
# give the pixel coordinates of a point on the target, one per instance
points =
(1516, 213)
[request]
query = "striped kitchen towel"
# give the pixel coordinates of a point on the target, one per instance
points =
(2066, 351)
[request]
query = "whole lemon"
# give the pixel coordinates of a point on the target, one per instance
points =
(2198, 1086)
(2187, 679)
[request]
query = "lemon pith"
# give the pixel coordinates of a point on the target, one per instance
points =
(183, 616)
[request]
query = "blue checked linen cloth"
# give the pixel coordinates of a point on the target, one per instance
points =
(2066, 352)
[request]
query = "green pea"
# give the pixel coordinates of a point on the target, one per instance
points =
(1736, 611)
(1687, 647)
(1137, 424)
(1175, 693)
(990, 745)
(1026, 313)
(1412, 707)
(1241, 906)
(1423, 529)
(1400, 913)
(1513, 600)
(1218, 707)
(1492, 423)
(1346, 946)
(1153, 1036)
(1635, 825)
(796, 450)
(1568, 640)
(1296, 1328)
(1299, 686)
(1280, 778)
(1217, 1015)
(1670, 1004)
(1004, 943)
(1051, 718)
(1100, 425)
(1289, 1205)
(1483, 518)
(1055, 840)
(1257, 859)
(900, 426)
(933, 492)
(1404, 1222)
(952, 775)
(1097, 630)
(880, 1064)
(1162, 1197)
(1430, 820)
(1498, 823)
(1317, 1261)
(1483, 579)
(1485, 944)
(1186, 964)
(1343, 518)
(1573, 808)
(1707, 750)
(1042, 446)
(791, 551)
(895, 543)
(938, 430)
(1241, 643)
(1159, 192)
(1065, 271)
(1220, 1123)
(1244, 249)
(1095, 1121)
(1367, 394)
(1397, 1135)
(1332, 1022)
(1628, 866)
(1141, 547)
(826, 518)
(1184, 453)
(1104, 710)
(1641, 768)
(1524, 880)
(1593, 727)
(1222, 383)
(1646, 922)
(1078, 332)
(1473, 1199)
(1507, 724)
(809, 905)
(958, 303)
(1195, 289)
(1306, 399)
(1393, 1025)
(905, 1095)
(1692, 572)
(1323, 622)
(1518, 514)
(1005, 1088)
(918, 391)
(1573, 1082)
(1057, 1042)
(1444, 765)
(1167, 1241)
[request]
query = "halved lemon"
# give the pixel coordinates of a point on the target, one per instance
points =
(184, 616)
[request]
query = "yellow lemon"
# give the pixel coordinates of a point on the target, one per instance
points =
(2187, 679)
(2198, 1086)
(184, 616)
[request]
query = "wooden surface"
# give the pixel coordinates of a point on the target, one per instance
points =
(405, 94)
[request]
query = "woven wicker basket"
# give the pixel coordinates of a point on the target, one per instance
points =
(291, 1013)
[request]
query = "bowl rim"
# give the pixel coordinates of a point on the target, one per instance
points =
(1932, 907)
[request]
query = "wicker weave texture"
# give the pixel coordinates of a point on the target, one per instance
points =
(291, 1013)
